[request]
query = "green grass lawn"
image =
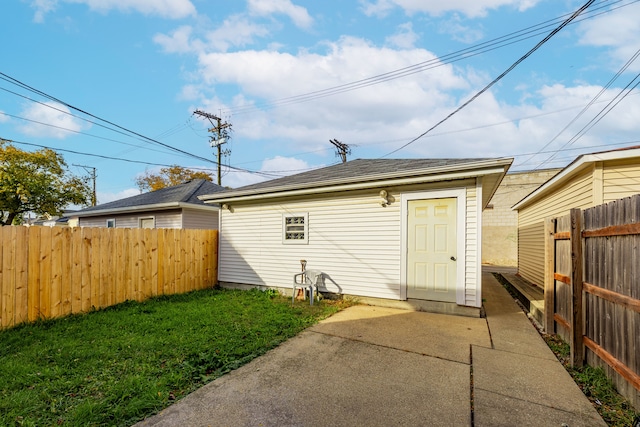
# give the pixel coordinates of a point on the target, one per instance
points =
(118, 365)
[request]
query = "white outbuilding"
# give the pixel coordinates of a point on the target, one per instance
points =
(390, 232)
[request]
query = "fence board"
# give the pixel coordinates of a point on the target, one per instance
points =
(76, 270)
(87, 234)
(55, 295)
(22, 266)
(8, 282)
(67, 268)
(33, 275)
(47, 272)
(610, 239)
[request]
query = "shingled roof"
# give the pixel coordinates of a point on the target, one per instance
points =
(182, 195)
(360, 171)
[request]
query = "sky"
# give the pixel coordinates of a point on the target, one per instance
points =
(113, 84)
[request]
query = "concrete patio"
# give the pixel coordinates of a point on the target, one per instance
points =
(380, 366)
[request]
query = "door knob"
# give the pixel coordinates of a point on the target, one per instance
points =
(453, 258)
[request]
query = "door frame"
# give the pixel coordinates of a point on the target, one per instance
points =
(460, 194)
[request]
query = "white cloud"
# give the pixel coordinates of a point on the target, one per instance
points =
(235, 31)
(178, 41)
(460, 32)
(354, 116)
(617, 30)
(271, 75)
(42, 7)
(61, 123)
(476, 8)
(171, 9)
(404, 38)
(297, 14)
(271, 167)
(3, 118)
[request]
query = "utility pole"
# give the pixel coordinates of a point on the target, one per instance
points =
(92, 173)
(342, 149)
(220, 135)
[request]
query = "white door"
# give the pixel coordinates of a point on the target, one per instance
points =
(431, 249)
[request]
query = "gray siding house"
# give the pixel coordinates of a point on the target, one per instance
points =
(171, 207)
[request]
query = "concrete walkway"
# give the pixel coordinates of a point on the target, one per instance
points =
(383, 367)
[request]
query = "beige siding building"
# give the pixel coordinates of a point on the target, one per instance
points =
(171, 207)
(382, 230)
(590, 180)
(500, 222)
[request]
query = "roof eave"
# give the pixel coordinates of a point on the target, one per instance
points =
(142, 208)
(497, 168)
(574, 168)
(433, 174)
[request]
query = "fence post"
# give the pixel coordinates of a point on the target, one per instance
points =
(577, 325)
(549, 272)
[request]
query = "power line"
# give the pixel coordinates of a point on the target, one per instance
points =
(80, 132)
(593, 101)
(471, 51)
(497, 79)
(18, 83)
(606, 110)
(266, 174)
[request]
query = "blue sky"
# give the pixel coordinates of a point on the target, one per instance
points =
(282, 73)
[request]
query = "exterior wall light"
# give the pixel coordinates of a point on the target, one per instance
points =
(384, 201)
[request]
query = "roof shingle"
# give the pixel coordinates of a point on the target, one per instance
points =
(183, 193)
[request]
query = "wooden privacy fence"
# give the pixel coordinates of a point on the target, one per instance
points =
(592, 288)
(51, 272)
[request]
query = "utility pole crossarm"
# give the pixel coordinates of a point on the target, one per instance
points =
(92, 172)
(220, 135)
(342, 149)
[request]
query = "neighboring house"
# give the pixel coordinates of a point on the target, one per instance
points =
(590, 180)
(381, 230)
(51, 221)
(171, 207)
(500, 222)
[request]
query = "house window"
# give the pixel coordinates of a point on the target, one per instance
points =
(111, 223)
(295, 228)
(149, 222)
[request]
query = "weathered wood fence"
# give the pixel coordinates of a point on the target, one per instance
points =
(51, 272)
(592, 289)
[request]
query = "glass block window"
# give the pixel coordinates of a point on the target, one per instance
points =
(295, 228)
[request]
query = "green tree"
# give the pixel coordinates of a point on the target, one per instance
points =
(168, 177)
(38, 182)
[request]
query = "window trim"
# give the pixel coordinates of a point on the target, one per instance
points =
(303, 241)
(142, 218)
(111, 220)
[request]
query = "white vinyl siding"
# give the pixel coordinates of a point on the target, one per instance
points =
(200, 219)
(351, 237)
(354, 240)
(531, 253)
(163, 219)
(576, 193)
(621, 179)
(472, 275)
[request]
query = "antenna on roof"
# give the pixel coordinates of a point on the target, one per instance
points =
(341, 149)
